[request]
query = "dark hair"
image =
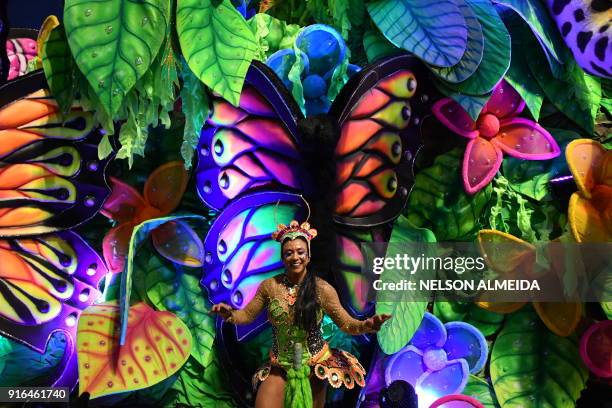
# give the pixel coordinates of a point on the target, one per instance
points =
(305, 307)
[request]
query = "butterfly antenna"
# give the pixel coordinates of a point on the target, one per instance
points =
(307, 207)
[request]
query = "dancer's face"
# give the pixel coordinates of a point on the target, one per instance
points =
(295, 256)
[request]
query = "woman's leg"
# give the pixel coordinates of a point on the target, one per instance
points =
(319, 392)
(271, 392)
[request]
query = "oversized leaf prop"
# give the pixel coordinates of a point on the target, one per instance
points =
(157, 345)
(114, 42)
(210, 389)
(488, 322)
(496, 53)
(505, 254)
(177, 290)
(536, 16)
(523, 81)
(433, 30)
(481, 390)
(217, 44)
(57, 62)
(473, 105)
(407, 312)
(576, 93)
(437, 200)
(376, 46)
(140, 233)
(532, 367)
(473, 54)
(24, 366)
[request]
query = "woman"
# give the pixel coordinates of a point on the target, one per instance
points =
(301, 362)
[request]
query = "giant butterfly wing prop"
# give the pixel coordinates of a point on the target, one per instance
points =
(50, 175)
(379, 113)
(255, 148)
(50, 180)
(248, 165)
(251, 147)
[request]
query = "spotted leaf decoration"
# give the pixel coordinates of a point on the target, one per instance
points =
(407, 310)
(532, 367)
(114, 42)
(157, 345)
(217, 44)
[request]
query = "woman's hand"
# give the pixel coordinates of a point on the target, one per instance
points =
(373, 323)
(223, 310)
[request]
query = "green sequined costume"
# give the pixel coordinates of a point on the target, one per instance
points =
(338, 367)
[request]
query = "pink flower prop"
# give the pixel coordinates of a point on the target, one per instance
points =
(497, 130)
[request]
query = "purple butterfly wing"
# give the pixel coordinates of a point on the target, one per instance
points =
(45, 284)
(252, 147)
(240, 252)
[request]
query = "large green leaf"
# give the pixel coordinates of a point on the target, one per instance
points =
(204, 388)
(487, 322)
(576, 94)
(523, 81)
(407, 311)
(26, 367)
(433, 30)
(535, 14)
(140, 233)
(482, 391)
(473, 54)
(496, 54)
(377, 46)
(114, 42)
(217, 44)
(532, 367)
(58, 66)
(437, 200)
(178, 290)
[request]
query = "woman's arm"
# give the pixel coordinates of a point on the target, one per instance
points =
(247, 314)
(329, 301)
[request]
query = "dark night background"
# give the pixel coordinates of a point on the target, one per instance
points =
(30, 13)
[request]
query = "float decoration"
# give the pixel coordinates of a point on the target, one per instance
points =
(157, 345)
(529, 364)
(595, 346)
(590, 208)
(498, 130)
(561, 318)
(438, 359)
(162, 193)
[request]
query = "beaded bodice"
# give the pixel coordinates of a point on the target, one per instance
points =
(279, 296)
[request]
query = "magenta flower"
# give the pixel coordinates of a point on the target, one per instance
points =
(498, 129)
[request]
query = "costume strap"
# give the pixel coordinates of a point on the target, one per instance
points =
(298, 393)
